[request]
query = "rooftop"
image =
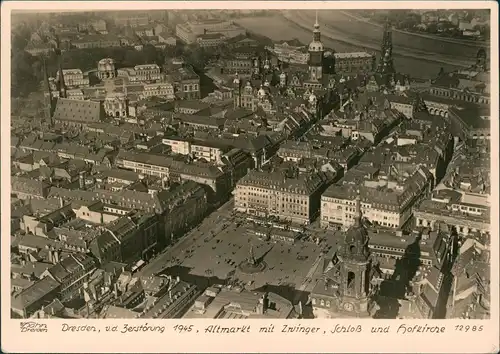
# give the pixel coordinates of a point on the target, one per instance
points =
(352, 55)
(84, 111)
(474, 116)
(301, 184)
(34, 293)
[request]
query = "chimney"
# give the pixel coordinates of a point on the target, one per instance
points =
(61, 202)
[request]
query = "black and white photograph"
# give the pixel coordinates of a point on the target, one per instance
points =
(251, 164)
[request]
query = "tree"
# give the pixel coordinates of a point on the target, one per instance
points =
(20, 37)
(24, 81)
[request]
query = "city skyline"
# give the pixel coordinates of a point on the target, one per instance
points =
(277, 164)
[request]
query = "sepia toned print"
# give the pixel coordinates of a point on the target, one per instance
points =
(251, 164)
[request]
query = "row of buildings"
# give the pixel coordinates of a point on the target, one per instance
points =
(208, 33)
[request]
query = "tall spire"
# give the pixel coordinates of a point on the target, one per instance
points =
(47, 93)
(62, 85)
(386, 65)
(46, 78)
(358, 215)
(316, 31)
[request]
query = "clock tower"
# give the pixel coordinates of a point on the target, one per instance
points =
(349, 280)
(354, 256)
(316, 50)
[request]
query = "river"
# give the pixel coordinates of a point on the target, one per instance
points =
(412, 55)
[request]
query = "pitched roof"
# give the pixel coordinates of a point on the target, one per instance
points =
(34, 293)
(28, 186)
(84, 111)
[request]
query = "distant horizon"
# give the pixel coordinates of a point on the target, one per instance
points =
(14, 12)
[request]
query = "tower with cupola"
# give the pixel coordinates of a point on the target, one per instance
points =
(355, 268)
(283, 79)
(236, 91)
(316, 50)
(256, 67)
(49, 100)
(386, 63)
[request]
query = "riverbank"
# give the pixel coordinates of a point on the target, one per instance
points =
(302, 21)
(278, 28)
(477, 44)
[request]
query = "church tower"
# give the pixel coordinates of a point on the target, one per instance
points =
(256, 66)
(481, 60)
(62, 85)
(236, 91)
(316, 50)
(386, 64)
(355, 272)
(49, 101)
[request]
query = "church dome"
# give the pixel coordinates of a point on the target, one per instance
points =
(312, 97)
(283, 75)
(236, 79)
(356, 235)
(316, 47)
(356, 238)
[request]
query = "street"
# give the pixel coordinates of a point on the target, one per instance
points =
(211, 222)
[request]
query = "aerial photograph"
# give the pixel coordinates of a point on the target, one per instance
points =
(250, 164)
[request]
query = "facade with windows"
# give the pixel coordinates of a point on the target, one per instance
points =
(295, 198)
(388, 207)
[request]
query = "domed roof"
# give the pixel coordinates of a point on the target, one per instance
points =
(356, 237)
(312, 97)
(262, 92)
(236, 79)
(106, 61)
(316, 47)
(282, 75)
(356, 234)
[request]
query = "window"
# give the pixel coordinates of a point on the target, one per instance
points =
(350, 279)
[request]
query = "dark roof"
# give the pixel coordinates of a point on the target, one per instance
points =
(200, 120)
(28, 186)
(472, 115)
(301, 184)
(34, 293)
(447, 80)
(84, 111)
(121, 174)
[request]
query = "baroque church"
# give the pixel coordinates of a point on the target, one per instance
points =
(349, 280)
(272, 87)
